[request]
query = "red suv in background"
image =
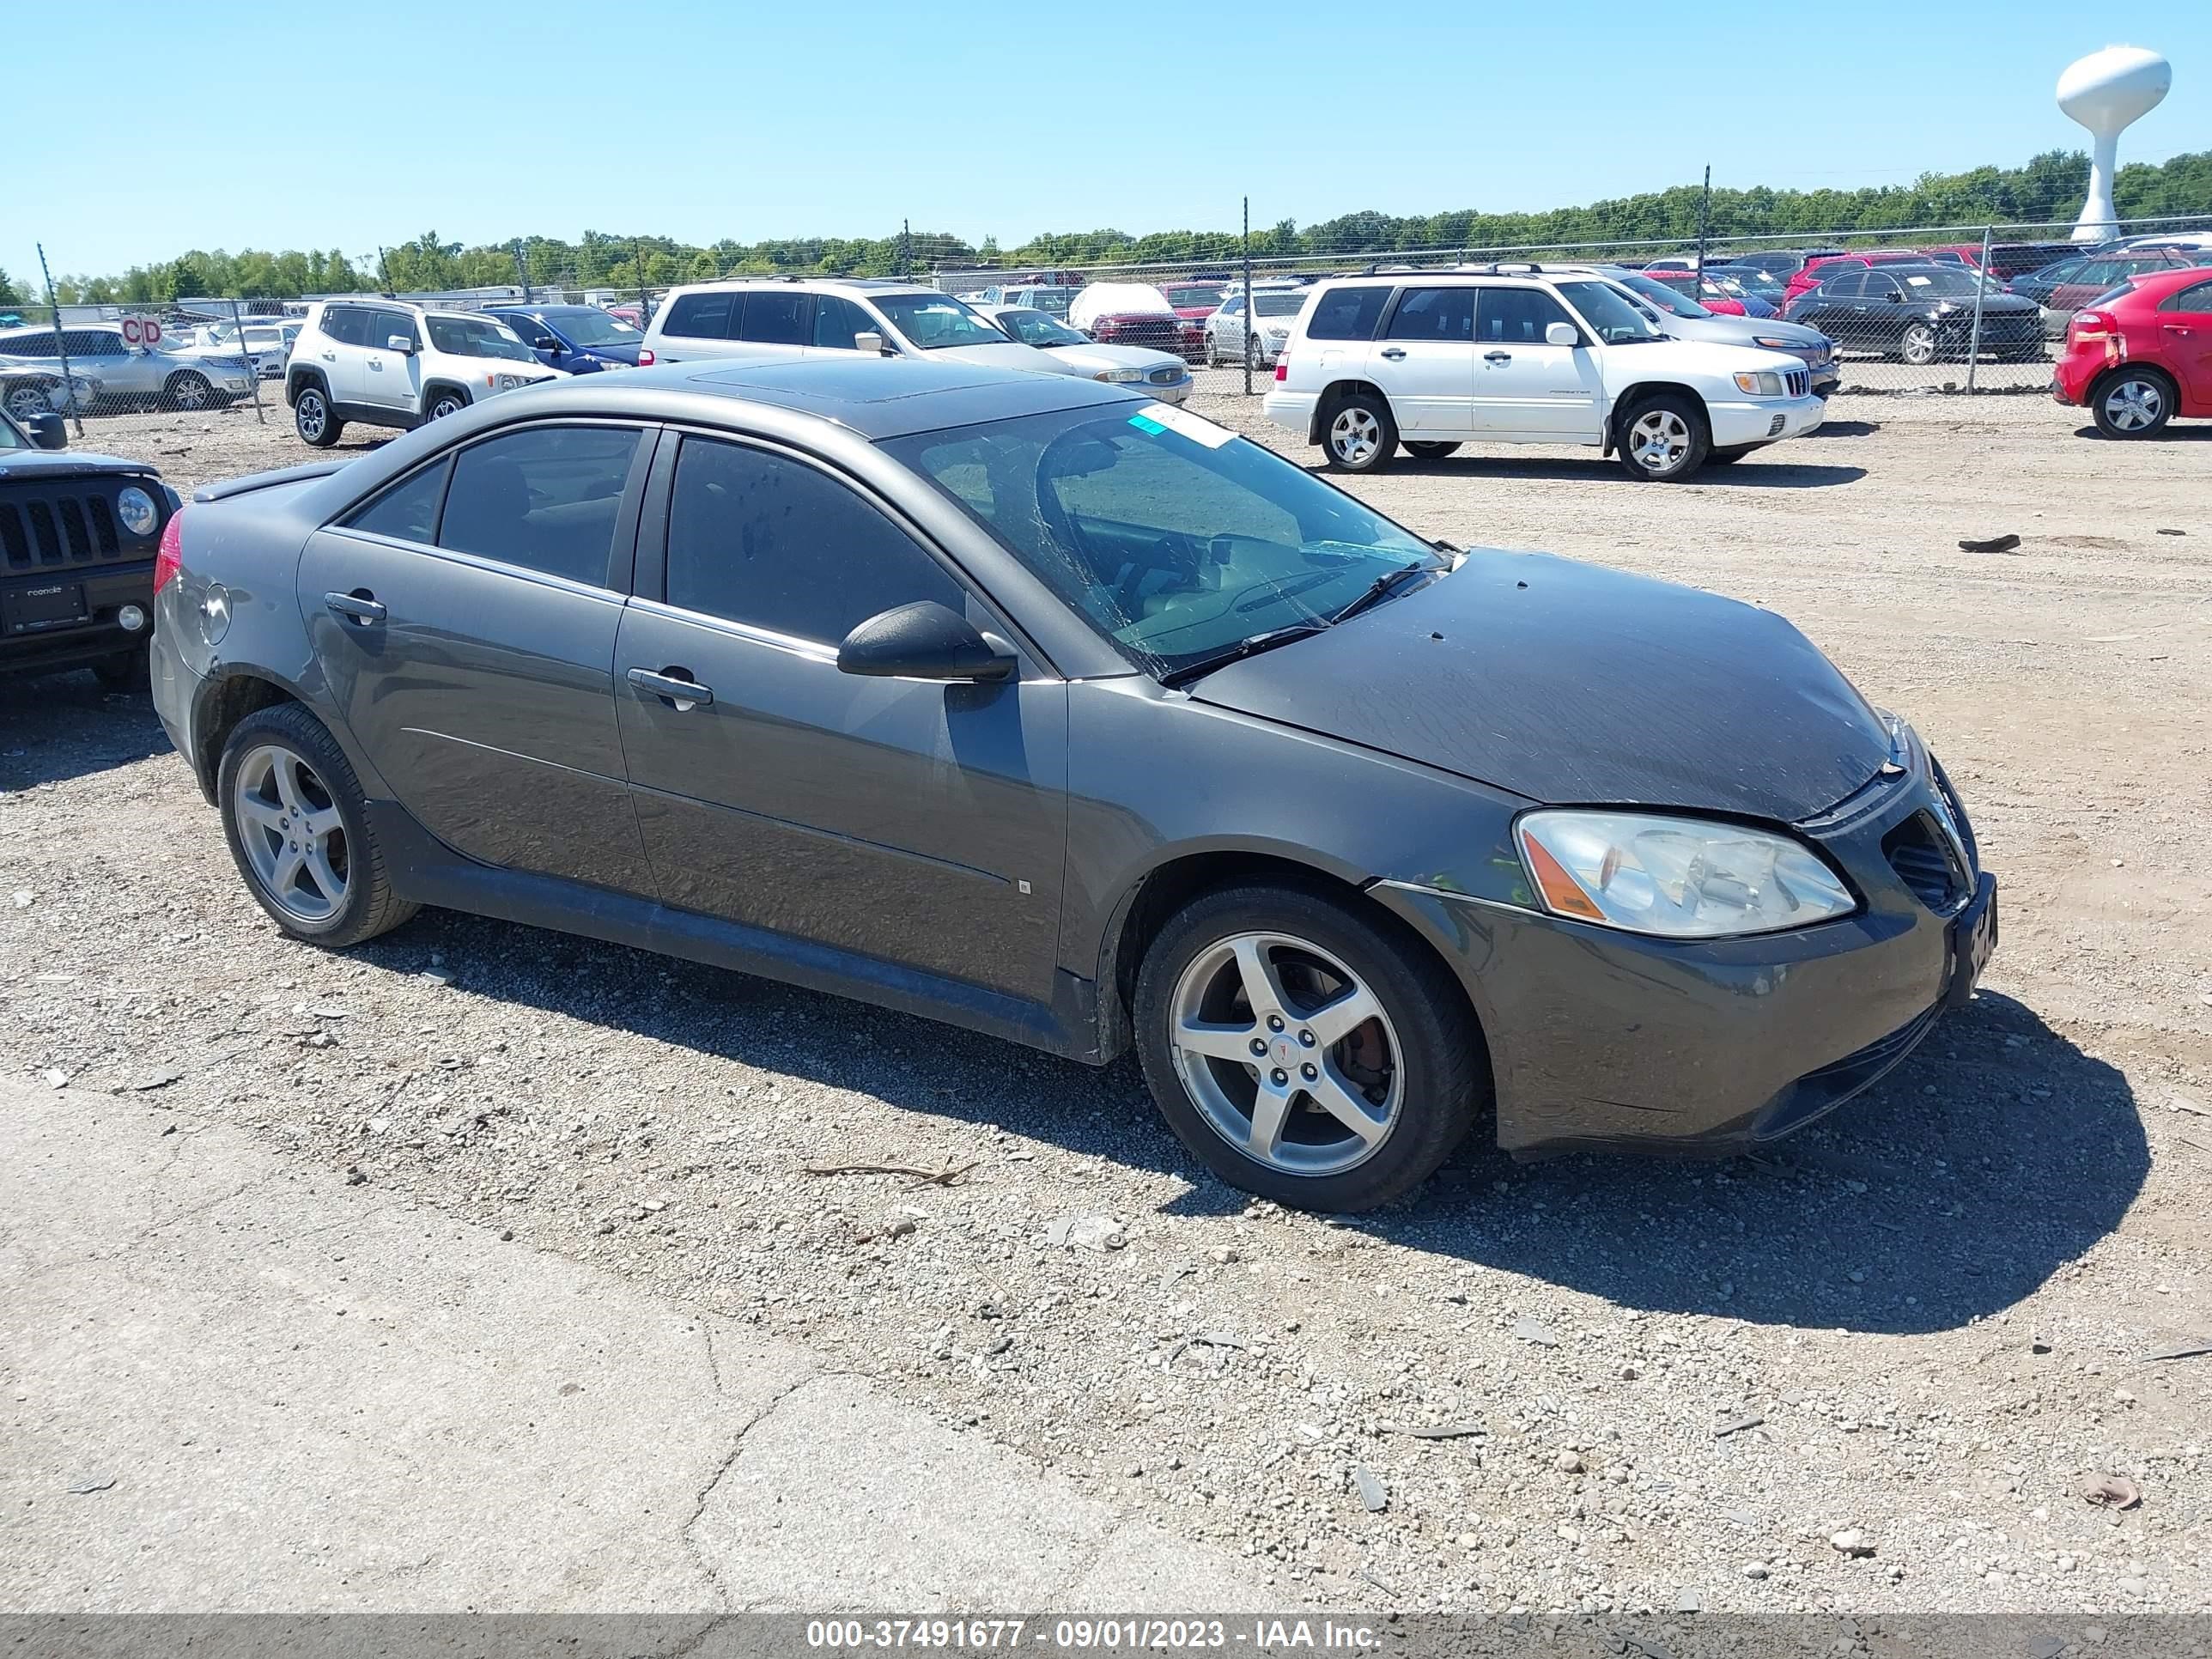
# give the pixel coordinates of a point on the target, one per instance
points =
(1193, 302)
(1817, 272)
(2141, 353)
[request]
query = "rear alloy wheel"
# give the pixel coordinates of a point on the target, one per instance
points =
(1429, 449)
(1918, 344)
(1664, 438)
(2133, 403)
(312, 419)
(445, 402)
(1302, 1051)
(1254, 358)
(25, 400)
(188, 390)
(1360, 435)
(298, 828)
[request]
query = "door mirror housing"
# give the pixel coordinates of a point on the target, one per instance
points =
(1561, 334)
(46, 430)
(867, 340)
(398, 343)
(925, 640)
(543, 342)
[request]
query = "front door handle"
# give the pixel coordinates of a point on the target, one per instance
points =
(376, 363)
(1393, 353)
(330, 356)
(2176, 328)
(358, 607)
(1498, 356)
(673, 686)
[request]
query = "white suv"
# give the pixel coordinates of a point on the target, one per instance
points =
(1520, 355)
(831, 318)
(386, 363)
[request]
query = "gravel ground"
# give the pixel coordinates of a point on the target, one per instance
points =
(1871, 1373)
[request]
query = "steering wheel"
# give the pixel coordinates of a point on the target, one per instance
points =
(1180, 557)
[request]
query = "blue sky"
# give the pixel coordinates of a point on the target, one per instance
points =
(841, 117)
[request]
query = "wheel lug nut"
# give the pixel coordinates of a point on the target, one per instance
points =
(1274, 1022)
(1306, 1039)
(1279, 1077)
(1258, 1047)
(1308, 1073)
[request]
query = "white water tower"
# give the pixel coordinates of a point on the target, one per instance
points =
(2104, 92)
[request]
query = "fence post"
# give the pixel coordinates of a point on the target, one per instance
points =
(252, 368)
(61, 345)
(1251, 323)
(1981, 288)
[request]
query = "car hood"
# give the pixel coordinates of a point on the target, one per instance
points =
(1573, 683)
(1742, 330)
(1094, 358)
(65, 462)
(1009, 355)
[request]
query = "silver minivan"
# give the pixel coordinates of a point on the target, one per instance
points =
(831, 318)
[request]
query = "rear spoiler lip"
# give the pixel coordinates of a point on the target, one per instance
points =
(253, 481)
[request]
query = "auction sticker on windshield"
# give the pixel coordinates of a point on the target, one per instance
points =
(1161, 418)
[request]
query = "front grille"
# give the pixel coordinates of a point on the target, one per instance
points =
(1166, 376)
(1920, 853)
(1165, 335)
(49, 526)
(1799, 382)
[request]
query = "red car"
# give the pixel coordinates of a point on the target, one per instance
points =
(1817, 272)
(1193, 302)
(2141, 353)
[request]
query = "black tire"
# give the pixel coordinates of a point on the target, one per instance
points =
(2143, 416)
(1731, 456)
(1376, 450)
(313, 417)
(443, 402)
(1694, 439)
(188, 391)
(1431, 449)
(369, 906)
(128, 670)
(1440, 1047)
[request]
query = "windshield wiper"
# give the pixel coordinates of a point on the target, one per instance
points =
(1378, 589)
(1175, 678)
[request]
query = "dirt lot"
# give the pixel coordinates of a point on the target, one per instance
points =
(1927, 1320)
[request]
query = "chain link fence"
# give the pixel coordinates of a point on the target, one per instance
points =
(1933, 309)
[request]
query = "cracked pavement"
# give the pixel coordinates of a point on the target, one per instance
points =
(310, 1399)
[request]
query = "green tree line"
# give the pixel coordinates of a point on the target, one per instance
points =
(2049, 187)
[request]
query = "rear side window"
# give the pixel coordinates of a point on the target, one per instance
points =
(837, 321)
(2198, 298)
(1435, 314)
(773, 317)
(1846, 285)
(757, 539)
(1519, 315)
(93, 343)
(1347, 313)
(701, 316)
(546, 500)
(347, 325)
(408, 511)
(41, 344)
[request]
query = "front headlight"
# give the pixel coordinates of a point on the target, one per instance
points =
(1124, 376)
(1762, 383)
(1677, 878)
(135, 508)
(1278, 334)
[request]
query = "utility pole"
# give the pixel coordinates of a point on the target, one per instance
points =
(644, 304)
(1251, 322)
(1705, 223)
(252, 368)
(61, 345)
(522, 270)
(906, 247)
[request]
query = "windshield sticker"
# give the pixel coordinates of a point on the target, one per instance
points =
(1161, 418)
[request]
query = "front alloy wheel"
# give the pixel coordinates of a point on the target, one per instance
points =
(445, 403)
(1918, 345)
(27, 401)
(190, 391)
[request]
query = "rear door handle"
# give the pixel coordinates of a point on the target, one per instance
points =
(356, 607)
(1498, 356)
(1393, 353)
(2176, 328)
(674, 687)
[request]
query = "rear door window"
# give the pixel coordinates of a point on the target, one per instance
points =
(1437, 314)
(408, 511)
(776, 317)
(547, 499)
(1347, 313)
(2198, 298)
(701, 316)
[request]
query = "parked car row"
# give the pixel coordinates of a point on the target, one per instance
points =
(115, 375)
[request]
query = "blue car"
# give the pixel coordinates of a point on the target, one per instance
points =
(582, 339)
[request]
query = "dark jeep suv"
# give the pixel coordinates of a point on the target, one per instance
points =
(78, 535)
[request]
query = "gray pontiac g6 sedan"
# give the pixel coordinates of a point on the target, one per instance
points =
(1027, 704)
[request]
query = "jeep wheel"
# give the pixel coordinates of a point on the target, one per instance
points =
(1664, 437)
(312, 419)
(187, 390)
(1303, 1050)
(445, 401)
(1359, 434)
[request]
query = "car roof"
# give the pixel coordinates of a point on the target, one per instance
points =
(882, 399)
(863, 284)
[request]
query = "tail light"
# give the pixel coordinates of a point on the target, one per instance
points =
(169, 557)
(1283, 365)
(645, 357)
(2093, 326)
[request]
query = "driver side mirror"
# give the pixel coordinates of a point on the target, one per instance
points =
(543, 342)
(398, 343)
(46, 430)
(1561, 334)
(925, 640)
(869, 340)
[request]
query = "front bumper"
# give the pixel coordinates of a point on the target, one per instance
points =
(65, 617)
(1764, 420)
(1599, 1038)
